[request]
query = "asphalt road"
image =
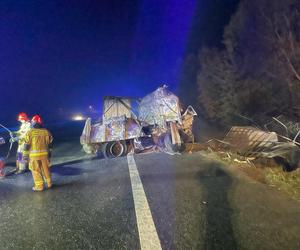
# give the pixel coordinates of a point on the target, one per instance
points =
(193, 202)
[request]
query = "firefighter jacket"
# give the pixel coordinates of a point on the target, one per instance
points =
(25, 127)
(37, 142)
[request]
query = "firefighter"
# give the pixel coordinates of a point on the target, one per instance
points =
(38, 142)
(21, 163)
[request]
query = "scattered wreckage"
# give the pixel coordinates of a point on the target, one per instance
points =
(158, 117)
(252, 143)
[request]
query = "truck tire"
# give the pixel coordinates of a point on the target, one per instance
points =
(114, 149)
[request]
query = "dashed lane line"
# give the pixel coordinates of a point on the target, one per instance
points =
(146, 228)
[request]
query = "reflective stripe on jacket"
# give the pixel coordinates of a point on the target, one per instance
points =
(37, 153)
(38, 140)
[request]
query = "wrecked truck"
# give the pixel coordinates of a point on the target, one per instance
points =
(127, 122)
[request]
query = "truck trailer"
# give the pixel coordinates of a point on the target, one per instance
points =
(127, 122)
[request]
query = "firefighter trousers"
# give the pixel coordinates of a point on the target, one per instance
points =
(40, 173)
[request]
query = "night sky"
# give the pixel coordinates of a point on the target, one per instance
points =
(69, 54)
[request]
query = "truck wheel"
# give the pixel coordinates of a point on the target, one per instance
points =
(114, 149)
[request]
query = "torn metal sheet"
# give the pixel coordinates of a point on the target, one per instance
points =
(133, 129)
(187, 121)
(112, 129)
(97, 133)
(86, 133)
(159, 107)
(253, 142)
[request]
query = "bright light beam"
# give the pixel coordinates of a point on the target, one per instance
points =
(78, 117)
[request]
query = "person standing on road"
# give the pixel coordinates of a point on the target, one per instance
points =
(38, 141)
(21, 163)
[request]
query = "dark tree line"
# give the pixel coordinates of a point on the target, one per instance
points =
(257, 72)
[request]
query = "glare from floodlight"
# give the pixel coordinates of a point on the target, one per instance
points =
(78, 118)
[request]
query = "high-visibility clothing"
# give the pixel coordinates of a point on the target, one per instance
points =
(25, 127)
(37, 141)
(40, 173)
(21, 163)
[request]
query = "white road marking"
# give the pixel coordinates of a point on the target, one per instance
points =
(147, 231)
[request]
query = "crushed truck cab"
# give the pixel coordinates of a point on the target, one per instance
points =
(121, 130)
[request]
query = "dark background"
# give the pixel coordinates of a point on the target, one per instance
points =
(59, 57)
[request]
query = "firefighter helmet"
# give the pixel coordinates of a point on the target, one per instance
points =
(22, 117)
(37, 119)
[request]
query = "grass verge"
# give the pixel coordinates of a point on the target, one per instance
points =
(288, 182)
(265, 171)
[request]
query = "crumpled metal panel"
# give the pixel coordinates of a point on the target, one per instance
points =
(119, 119)
(133, 129)
(86, 133)
(158, 107)
(114, 129)
(243, 139)
(97, 133)
(187, 121)
(253, 142)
